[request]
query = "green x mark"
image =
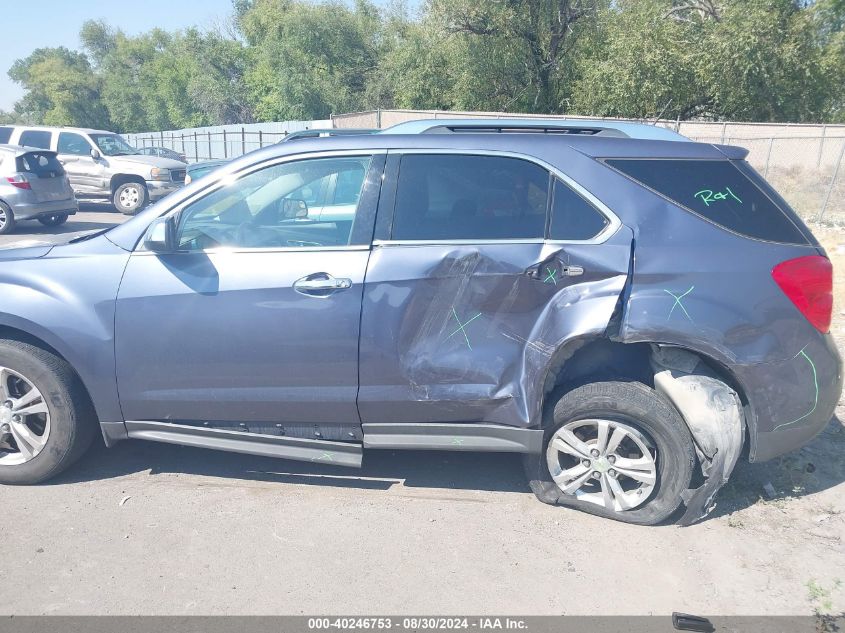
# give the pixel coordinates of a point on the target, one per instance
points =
(329, 457)
(462, 327)
(678, 303)
(458, 441)
(551, 278)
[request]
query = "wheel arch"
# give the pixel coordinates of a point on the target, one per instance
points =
(44, 341)
(122, 178)
(596, 358)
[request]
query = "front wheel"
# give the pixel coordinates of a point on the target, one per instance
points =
(129, 197)
(53, 220)
(615, 449)
(46, 420)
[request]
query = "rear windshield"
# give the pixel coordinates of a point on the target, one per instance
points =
(718, 191)
(42, 164)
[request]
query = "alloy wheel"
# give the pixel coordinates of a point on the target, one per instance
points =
(604, 462)
(24, 419)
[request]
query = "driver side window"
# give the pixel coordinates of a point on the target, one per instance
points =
(275, 207)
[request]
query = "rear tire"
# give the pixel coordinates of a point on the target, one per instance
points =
(644, 419)
(130, 197)
(53, 220)
(7, 219)
(72, 422)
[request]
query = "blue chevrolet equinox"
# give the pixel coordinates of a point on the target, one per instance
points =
(633, 315)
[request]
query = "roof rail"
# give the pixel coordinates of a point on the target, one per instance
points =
(578, 127)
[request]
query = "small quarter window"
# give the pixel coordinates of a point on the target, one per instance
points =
(573, 218)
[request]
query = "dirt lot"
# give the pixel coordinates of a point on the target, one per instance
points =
(158, 529)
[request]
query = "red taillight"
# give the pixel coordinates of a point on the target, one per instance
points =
(19, 181)
(808, 282)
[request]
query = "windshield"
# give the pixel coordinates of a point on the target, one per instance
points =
(113, 145)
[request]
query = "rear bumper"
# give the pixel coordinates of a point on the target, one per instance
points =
(157, 189)
(795, 399)
(31, 211)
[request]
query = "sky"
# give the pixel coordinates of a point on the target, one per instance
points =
(31, 25)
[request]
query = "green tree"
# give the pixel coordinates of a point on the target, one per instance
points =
(61, 89)
(309, 60)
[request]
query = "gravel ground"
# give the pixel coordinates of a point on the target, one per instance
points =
(157, 529)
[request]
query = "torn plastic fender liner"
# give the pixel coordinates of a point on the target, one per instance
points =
(713, 413)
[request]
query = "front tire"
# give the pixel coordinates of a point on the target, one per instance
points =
(615, 449)
(7, 219)
(53, 220)
(46, 420)
(130, 197)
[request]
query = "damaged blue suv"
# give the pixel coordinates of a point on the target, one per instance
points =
(633, 315)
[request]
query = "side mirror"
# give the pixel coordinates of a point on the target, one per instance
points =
(95, 154)
(293, 209)
(161, 236)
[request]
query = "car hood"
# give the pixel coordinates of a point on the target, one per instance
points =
(25, 249)
(149, 161)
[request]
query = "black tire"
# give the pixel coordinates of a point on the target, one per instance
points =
(53, 220)
(635, 405)
(130, 197)
(7, 219)
(72, 420)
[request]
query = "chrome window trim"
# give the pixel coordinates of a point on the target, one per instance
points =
(226, 179)
(613, 224)
(280, 249)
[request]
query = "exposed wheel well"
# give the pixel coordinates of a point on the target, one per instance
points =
(601, 359)
(14, 334)
(119, 179)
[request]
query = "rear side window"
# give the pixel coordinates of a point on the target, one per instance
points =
(42, 164)
(70, 143)
(35, 138)
(573, 218)
(5, 134)
(457, 197)
(717, 191)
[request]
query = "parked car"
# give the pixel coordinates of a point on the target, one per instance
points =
(101, 165)
(163, 152)
(198, 170)
(33, 186)
(630, 315)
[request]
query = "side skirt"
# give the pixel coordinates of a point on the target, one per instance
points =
(305, 450)
(453, 437)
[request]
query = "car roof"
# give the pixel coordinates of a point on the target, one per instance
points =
(585, 127)
(208, 163)
(48, 128)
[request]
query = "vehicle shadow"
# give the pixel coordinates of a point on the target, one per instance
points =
(382, 469)
(816, 467)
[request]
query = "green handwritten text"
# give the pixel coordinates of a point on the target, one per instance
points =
(708, 195)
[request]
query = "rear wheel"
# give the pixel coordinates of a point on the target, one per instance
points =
(53, 220)
(129, 197)
(615, 449)
(7, 219)
(46, 421)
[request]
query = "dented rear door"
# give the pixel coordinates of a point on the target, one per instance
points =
(463, 323)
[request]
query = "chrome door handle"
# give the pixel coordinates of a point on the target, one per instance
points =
(571, 271)
(321, 284)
